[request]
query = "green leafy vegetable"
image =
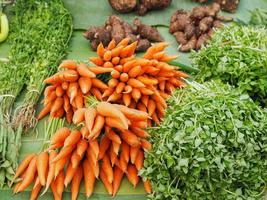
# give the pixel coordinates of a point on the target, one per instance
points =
(259, 17)
(212, 144)
(236, 55)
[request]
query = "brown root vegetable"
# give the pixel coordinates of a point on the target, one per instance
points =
(117, 32)
(146, 5)
(123, 6)
(205, 24)
(191, 44)
(148, 32)
(228, 5)
(143, 44)
(202, 40)
(217, 24)
(179, 20)
(180, 37)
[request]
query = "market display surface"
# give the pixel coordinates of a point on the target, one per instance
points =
(133, 99)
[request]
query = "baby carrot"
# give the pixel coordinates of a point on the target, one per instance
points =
(90, 115)
(116, 147)
(98, 125)
(132, 175)
(100, 70)
(120, 87)
(113, 136)
(70, 172)
(100, 50)
(135, 83)
(118, 175)
(42, 166)
(130, 138)
(79, 116)
(45, 111)
(139, 161)
(107, 168)
(24, 165)
(147, 186)
(89, 178)
(85, 84)
(134, 153)
(97, 61)
(84, 70)
(126, 98)
(103, 146)
(73, 138)
(106, 183)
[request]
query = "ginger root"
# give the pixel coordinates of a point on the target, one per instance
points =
(227, 5)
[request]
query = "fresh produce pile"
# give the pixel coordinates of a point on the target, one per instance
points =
(259, 17)
(236, 55)
(117, 29)
(193, 29)
(142, 6)
(110, 139)
(39, 36)
(228, 5)
(211, 145)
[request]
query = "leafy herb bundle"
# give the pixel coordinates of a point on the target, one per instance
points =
(212, 144)
(258, 17)
(236, 55)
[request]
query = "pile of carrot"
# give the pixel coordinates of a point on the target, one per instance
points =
(143, 83)
(110, 139)
(68, 88)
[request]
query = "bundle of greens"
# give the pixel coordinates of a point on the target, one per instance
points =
(236, 55)
(258, 17)
(212, 144)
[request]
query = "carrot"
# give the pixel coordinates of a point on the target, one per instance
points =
(60, 164)
(111, 45)
(81, 147)
(51, 170)
(139, 161)
(130, 138)
(103, 146)
(135, 71)
(89, 178)
(84, 131)
(146, 145)
(108, 65)
(132, 175)
(79, 100)
(15, 188)
(120, 87)
(151, 106)
(107, 168)
(60, 183)
(116, 147)
(113, 83)
(90, 115)
(160, 109)
(147, 81)
(49, 89)
(99, 84)
(162, 85)
(115, 60)
(144, 99)
(94, 147)
(128, 50)
(100, 50)
(58, 114)
(123, 164)
(112, 156)
(107, 55)
(158, 55)
(167, 58)
(107, 92)
(108, 110)
(54, 190)
(79, 116)
(75, 184)
(125, 151)
(96, 92)
(75, 159)
(141, 107)
(115, 123)
(118, 68)
(157, 98)
(23, 165)
(132, 113)
(65, 151)
(168, 74)
(126, 99)
(116, 51)
(136, 94)
(68, 64)
(113, 136)
(170, 87)
(124, 77)
(114, 97)
(50, 97)
(163, 95)
(135, 83)
(70, 172)
(59, 91)
(146, 91)
(129, 65)
(44, 111)
(147, 186)
(139, 132)
(155, 118)
(134, 153)
(69, 116)
(98, 125)
(94, 166)
(72, 90)
(97, 61)
(36, 190)
(100, 70)
(29, 175)
(139, 124)
(52, 79)
(115, 74)
(106, 183)
(66, 103)
(73, 138)
(68, 75)
(84, 70)
(128, 89)
(118, 175)
(42, 166)
(85, 84)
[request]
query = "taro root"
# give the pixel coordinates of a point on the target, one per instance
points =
(227, 5)
(123, 6)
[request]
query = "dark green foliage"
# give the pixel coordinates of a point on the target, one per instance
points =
(211, 145)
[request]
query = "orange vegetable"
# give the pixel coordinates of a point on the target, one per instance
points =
(85, 84)
(89, 178)
(54, 190)
(96, 92)
(97, 61)
(100, 50)
(103, 146)
(68, 64)
(113, 136)
(124, 77)
(134, 153)
(90, 115)
(139, 132)
(118, 175)
(100, 70)
(42, 166)
(146, 145)
(115, 123)
(75, 159)
(73, 138)
(135, 83)
(116, 147)
(126, 99)
(65, 151)
(132, 175)
(36, 190)
(147, 186)
(98, 125)
(106, 183)
(120, 87)
(128, 89)
(81, 147)
(132, 113)
(139, 161)
(24, 165)
(136, 94)
(70, 172)
(130, 138)
(107, 168)
(60, 183)
(128, 50)
(99, 84)
(115, 60)
(135, 71)
(44, 111)
(116, 51)
(59, 91)
(107, 56)
(84, 70)
(60, 164)
(125, 151)
(75, 184)
(107, 92)
(112, 44)
(112, 156)
(60, 135)
(113, 83)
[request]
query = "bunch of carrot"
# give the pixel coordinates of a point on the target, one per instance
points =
(68, 88)
(142, 83)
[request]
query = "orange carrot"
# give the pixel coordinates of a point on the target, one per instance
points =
(130, 138)
(69, 116)
(144, 99)
(123, 164)
(73, 138)
(49, 89)
(107, 92)
(70, 172)
(134, 153)
(157, 98)
(113, 83)
(42, 166)
(50, 98)
(100, 50)
(94, 165)
(99, 84)
(124, 42)
(107, 56)
(79, 116)
(147, 186)
(89, 178)
(81, 147)
(115, 123)
(128, 89)
(59, 91)
(139, 124)
(167, 58)
(24, 165)
(60, 183)
(147, 81)
(155, 118)
(136, 94)
(60, 135)
(107, 168)
(132, 113)
(139, 161)
(146, 145)
(96, 92)
(97, 61)
(66, 103)
(111, 45)
(54, 190)
(126, 99)
(44, 111)
(170, 87)
(79, 100)
(75, 184)
(98, 125)
(94, 147)
(103, 146)
(120, 87)
(128, 50)
(124, 77)
(115, 60)
(112, 156)
(151, 106)
(68, 64)
(135, 83)
(129, 65)
(60, 164)
(139, 132)
(125, 151)
(85, 84)
(141, 107)
(29, 175)
(114, 97)
(36, 190)
(132, 175)
(118, 175)
(115, 74)
(68, 75)
(75, 159)
(84, 131)
(135, 71)
(72, 90)
(108, 65)
(106, 183)
(116, 51)
(90, 115)
(100, 70)
(65, 151)
(84, 70)
(146, 91)
(152, 70)
(113, 136)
